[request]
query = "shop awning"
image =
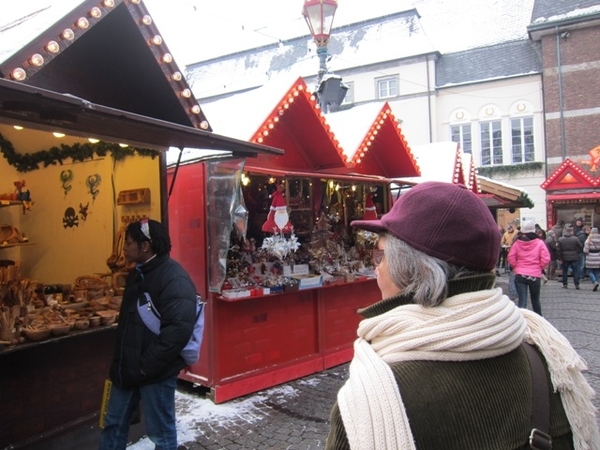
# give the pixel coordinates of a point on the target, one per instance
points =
(22, 104)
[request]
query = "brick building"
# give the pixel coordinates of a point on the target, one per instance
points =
(569, 35)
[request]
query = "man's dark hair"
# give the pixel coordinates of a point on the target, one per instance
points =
(160, 242)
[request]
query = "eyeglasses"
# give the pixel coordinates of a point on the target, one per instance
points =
(377, 256)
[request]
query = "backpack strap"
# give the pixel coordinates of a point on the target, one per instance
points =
(539, 438)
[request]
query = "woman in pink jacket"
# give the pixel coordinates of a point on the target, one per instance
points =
(528, 256)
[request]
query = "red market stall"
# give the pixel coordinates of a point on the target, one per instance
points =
(260, 330)
(572, 192)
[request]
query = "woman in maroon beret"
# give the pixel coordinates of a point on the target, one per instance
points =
(443, 360)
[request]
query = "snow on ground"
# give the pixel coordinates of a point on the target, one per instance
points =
(192, 409)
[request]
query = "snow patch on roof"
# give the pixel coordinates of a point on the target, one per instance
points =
(571, 14)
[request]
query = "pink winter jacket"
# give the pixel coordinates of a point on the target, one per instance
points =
(528, 257)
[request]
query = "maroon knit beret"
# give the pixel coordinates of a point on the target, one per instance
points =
(443, 220)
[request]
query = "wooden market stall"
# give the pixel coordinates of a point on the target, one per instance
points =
(272, 319)
(572, 191)
(76, 166)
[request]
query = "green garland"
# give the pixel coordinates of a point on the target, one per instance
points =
(489, 171)
(76, 152)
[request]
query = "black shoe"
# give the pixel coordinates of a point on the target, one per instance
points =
(595, 287)
(564, 286)
(577, 287)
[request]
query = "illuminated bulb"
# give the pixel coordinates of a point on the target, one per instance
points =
(93, 140)
(296, 93)
(95, 12)
(68, 34)
(271, 126)
(109, 3)
(17, 127)
(147, 20)
(176, 76)
(204, 125)
(331, 184)
(36, 59)
(157, 40)
(167, 58)
(186, 93)
(358, 161)
(286, 105)
(195, 109)
(259, 140)
(83, 23)
(353, 188)
(265, 133)
(52, 47)
(275, 119)
(123, 145)
(58, 135)
(18, 74)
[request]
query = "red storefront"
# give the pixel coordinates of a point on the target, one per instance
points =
(257, 340)
(572, 191)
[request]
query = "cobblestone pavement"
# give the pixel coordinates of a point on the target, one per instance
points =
(295, 415)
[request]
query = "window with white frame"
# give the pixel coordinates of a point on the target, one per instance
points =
(461, 134)
(349, 98)
(491, 143)
(387, 87)
(523, 149)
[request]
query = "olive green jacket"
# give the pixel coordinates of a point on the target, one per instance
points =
(483, 404)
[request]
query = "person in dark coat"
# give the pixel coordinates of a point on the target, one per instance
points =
(552, 244)
(145, 366)
(440, 360)
(569, 249)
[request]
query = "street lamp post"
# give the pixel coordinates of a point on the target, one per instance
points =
(319, 16)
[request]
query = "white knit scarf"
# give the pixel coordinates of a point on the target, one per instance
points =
(466, 327)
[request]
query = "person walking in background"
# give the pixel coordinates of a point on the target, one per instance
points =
(591, 248)
(528, 256)
(441, 360)
(507, 239)
(581, 264)
(552, 245)
(145, 365)
(569, 249)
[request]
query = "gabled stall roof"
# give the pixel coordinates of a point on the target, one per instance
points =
(442, 161)
(109, 52)
(569, 176)
(445, 161)
(283, 115)
(372, 141)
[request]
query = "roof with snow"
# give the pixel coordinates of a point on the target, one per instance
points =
(108, 53)
(424, 27)
(284, 114)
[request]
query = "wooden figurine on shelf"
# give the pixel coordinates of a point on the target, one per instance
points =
(23, 195)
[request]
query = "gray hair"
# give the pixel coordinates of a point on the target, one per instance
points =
(419, 275)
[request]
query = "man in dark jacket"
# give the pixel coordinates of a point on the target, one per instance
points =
(569, 249)
(145, 366)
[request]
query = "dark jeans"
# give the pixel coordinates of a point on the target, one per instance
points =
(523, 283)
(158, 406)
(565, 272)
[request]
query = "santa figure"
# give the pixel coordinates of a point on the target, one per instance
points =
(278, 220)
(370, 211)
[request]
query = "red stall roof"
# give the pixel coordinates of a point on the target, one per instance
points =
(373, 146)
